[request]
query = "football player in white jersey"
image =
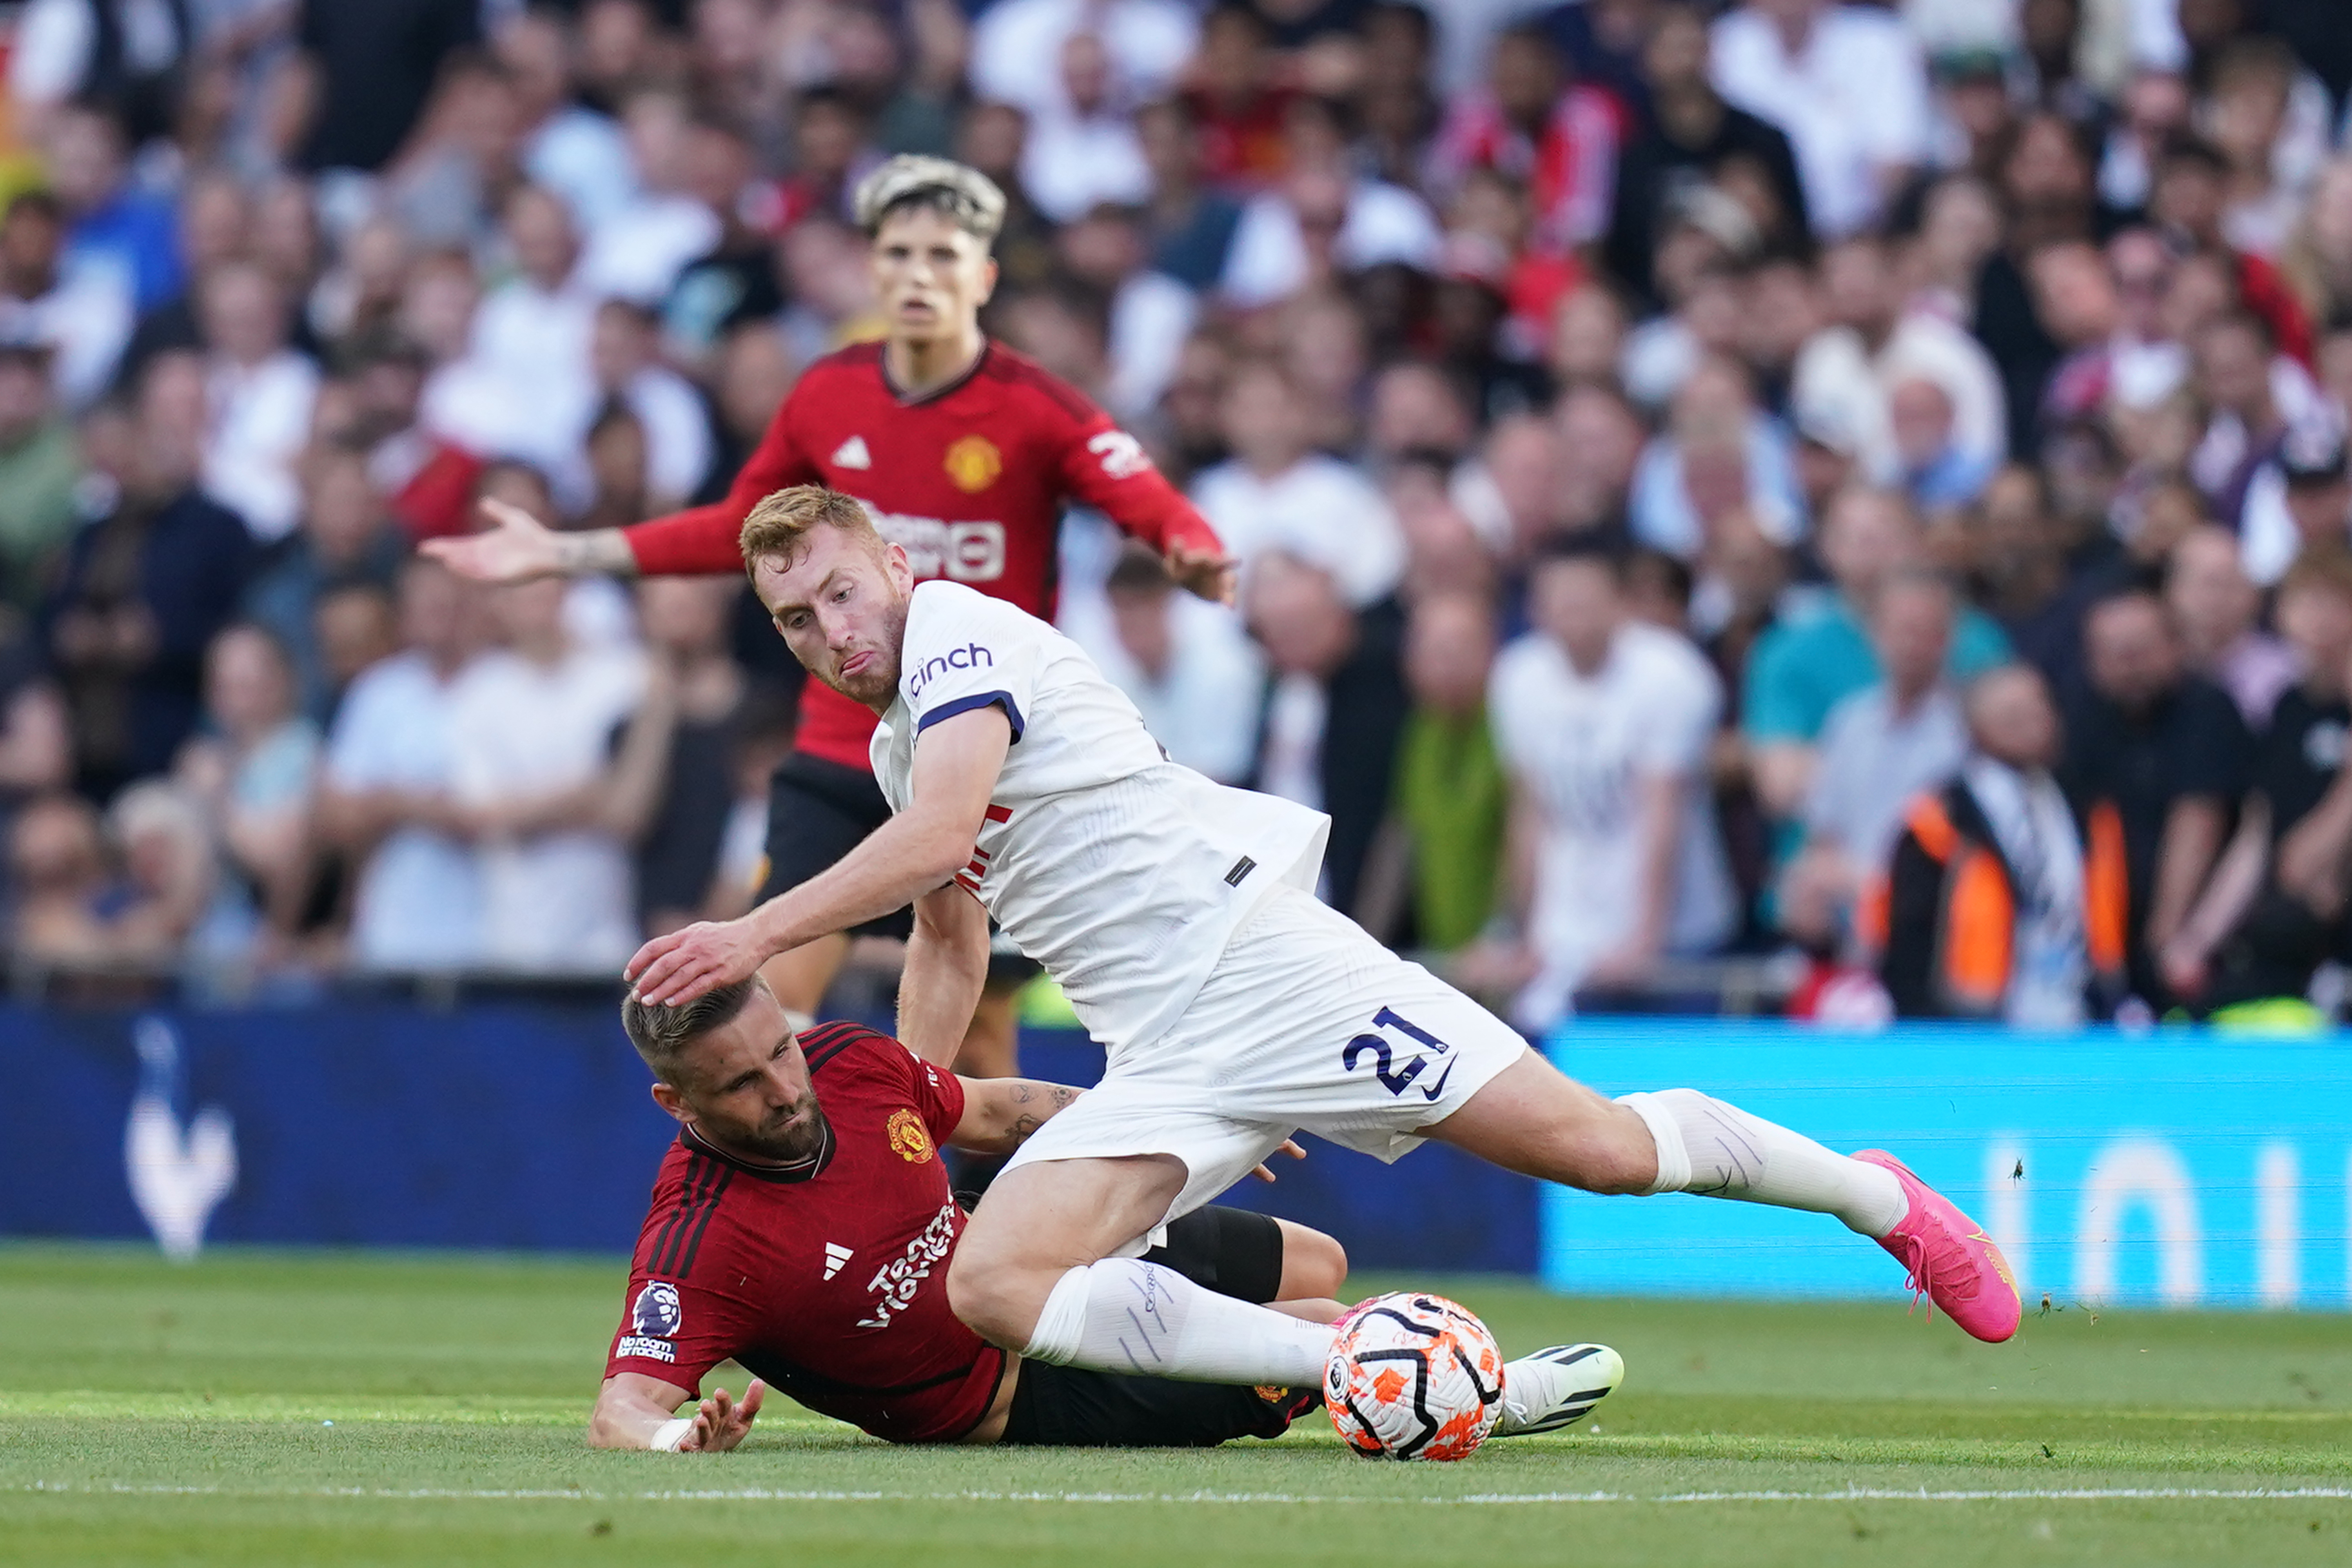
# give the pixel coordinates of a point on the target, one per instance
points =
(1234, 1008)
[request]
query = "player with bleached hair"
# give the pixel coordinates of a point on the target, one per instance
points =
(1233, 1007)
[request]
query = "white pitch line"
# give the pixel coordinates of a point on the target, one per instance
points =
(1469, 1500)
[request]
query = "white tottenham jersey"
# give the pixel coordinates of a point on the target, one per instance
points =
(1121, 872)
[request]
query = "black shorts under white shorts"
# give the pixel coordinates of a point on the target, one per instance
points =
(1232, 1251)
(818, 811)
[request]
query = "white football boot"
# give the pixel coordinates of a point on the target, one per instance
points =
(1555, 1386)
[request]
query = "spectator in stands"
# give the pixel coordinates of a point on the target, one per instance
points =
(2166, 750)
(387, 793)
(1533, 123)
(1190, 225)
(1186, 666)
(2276, 911)
(1717, 453)
(425, 479)
(143, 592)
(1803, 667)
(1689, 132)
(40, 472)
(681, 791)
(1881, 748)
(343, 538)
(255, 773)
(1849, 87)
(624, 355)
(57, 877)
(261, 392)
(2217, 611)
(1451, 802)
(2031, 589)
(2300, 502)
(360, 76)
(531, 736)
(1604, 724)
(1998, 904)
(1277, 493)
(1332, 709)
(637, 252)
(1939, 477)
(112, 224)
(83, 318)
(1874, 343)
(567, 147)
(1017, 46)
(356, 626)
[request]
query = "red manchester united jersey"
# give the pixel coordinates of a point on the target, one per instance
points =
(829, 1281)
(970, 478)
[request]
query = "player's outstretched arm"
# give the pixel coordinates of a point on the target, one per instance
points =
(518, 547)
(947, 967)
(634, 1411)
(956, 765)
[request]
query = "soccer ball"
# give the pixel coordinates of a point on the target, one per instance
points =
(1413, 1376)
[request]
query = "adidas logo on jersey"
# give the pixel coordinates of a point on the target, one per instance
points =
(852, 454)
(835, 1255)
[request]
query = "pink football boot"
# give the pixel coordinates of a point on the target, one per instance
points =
(1952, 1262)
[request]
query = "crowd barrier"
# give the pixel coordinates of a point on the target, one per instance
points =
(2168, 1168)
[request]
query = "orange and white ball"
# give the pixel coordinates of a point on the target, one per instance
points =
(1413, 1376)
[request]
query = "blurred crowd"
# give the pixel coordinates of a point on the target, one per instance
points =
(1858, 480)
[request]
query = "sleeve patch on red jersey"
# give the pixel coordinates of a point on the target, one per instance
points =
(654, 1319)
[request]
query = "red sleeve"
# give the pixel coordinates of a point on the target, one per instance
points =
(703, 541)
(1107, 468)
(938, 1096)
(705, 1329)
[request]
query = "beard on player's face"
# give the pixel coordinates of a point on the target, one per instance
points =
(787, 1137)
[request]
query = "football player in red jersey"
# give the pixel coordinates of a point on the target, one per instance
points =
(964, 452)
(802, 1226)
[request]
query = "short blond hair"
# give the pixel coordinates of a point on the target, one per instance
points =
(778, 528)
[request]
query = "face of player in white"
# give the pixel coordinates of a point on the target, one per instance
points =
(744, 1088)
(842, 608)
(931, 276)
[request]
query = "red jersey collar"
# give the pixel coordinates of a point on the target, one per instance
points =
(954, 384)
(806, 1170)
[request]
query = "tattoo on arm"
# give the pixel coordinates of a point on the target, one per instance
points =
(600, 550)
(1058, 1095)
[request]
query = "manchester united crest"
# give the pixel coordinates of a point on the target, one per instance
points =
(908, 1136)
(973, 462)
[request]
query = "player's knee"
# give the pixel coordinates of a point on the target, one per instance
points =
(1313, 1266)
(994, 1297)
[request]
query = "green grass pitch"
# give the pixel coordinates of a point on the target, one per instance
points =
(294, 1408)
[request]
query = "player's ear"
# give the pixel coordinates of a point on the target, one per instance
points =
(673, 1104)
(902, 570)
(987, 281)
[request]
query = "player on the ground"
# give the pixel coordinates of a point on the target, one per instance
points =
(965, 454)
(802, 1226)
(1233, 1007)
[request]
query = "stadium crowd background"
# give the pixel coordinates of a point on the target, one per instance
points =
(1864, 483)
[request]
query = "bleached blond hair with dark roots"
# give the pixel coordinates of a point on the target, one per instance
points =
(968, 199)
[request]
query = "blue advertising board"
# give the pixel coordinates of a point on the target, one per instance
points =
(495, 1126)
(2178, 1168)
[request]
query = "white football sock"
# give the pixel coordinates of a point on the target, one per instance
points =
(1125, 1315)
(1717, 1150)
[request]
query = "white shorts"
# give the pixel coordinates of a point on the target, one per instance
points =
(1305, 1024)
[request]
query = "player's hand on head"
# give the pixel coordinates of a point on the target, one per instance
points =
(515, 548)
(1206, 572)
(1290, 1147)
(672, 970)
(721, 1422)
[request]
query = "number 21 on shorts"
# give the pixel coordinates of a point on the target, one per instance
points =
(1396, 1079)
